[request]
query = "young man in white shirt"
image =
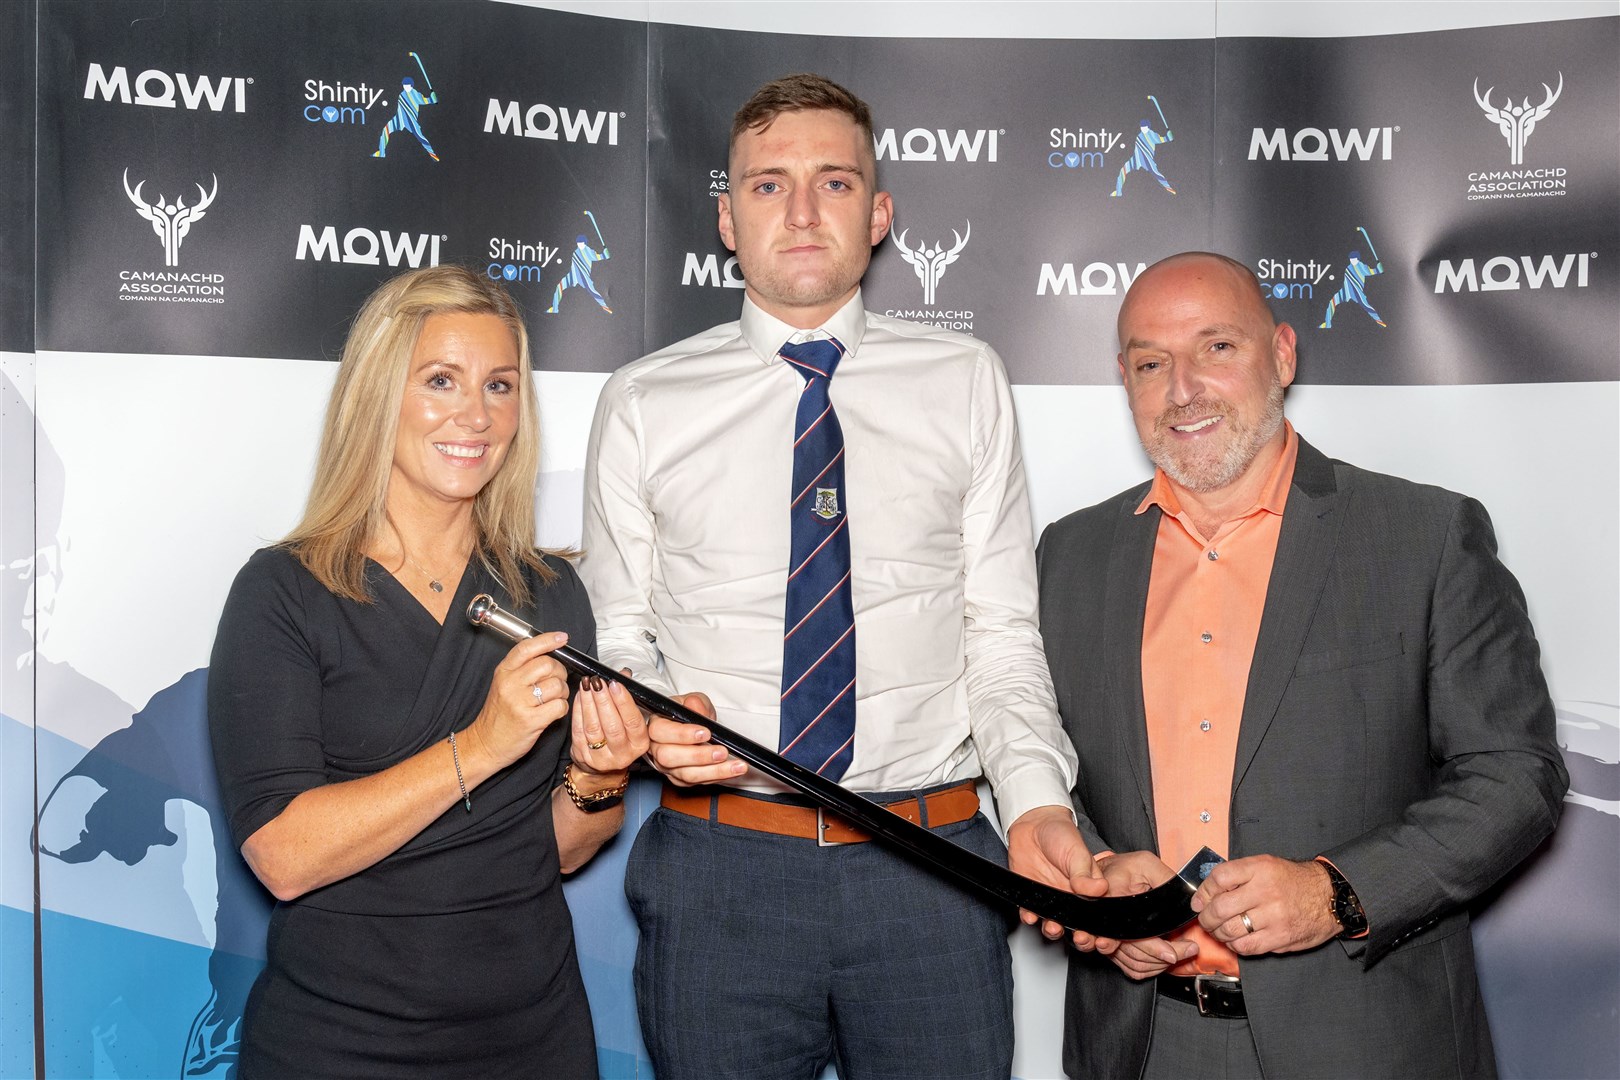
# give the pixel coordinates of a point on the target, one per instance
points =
(762, 952)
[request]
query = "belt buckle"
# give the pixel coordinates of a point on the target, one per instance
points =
(1201, 983)
(821, 830)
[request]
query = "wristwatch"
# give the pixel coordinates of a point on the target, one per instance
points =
(1345, 905)
(597, 801)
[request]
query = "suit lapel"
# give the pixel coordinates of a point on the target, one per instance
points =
(1130, 565)
(1305, 546)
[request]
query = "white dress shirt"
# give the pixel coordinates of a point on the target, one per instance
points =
(686, 538)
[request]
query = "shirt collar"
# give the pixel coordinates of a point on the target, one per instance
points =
(765, 333)
(1273, 494)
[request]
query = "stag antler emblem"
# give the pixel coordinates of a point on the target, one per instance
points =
(930, 262)
(171, 221)
(1517, 121)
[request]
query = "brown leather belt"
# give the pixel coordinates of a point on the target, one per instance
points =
(945, 807)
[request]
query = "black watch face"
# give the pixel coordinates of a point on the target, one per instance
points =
(606, 802)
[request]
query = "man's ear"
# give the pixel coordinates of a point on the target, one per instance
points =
(1283, 345)
(882, 216)
(728, 234)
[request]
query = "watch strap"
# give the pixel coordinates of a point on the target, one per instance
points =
(1345, 905)
(596, 801)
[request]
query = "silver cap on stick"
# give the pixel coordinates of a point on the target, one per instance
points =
(484, 611)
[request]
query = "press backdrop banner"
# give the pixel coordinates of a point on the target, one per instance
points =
(220, 184)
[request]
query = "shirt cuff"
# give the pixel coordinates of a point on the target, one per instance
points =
(1027, 789)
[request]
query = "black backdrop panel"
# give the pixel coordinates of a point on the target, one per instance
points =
(1412, 158)
(975, 141)
(539, 118)
(17, 179)
(1287, 153)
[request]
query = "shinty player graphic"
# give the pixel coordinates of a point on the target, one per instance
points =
(579, 269)
(407, 117)
(1143, 153)
(1354, 289)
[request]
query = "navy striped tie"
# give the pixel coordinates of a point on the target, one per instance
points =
(818, 650)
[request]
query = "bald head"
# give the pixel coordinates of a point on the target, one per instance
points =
(1166, 277)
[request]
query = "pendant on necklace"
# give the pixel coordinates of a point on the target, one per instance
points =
(436, 586)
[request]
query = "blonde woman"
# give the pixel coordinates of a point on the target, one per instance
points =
(408, 787)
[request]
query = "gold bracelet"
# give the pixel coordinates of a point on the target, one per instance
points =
(597, 801)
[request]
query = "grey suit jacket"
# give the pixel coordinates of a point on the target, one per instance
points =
(1395, 720)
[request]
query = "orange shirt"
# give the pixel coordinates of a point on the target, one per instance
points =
(1204, 602)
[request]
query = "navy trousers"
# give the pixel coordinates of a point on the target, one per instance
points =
(765, 956)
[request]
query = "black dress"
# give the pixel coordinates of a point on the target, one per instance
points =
(454, 956)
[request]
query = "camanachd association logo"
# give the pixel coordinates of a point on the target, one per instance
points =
(929, 261)
(1516, 121)
(171, 220)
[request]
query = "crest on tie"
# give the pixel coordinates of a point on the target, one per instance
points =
(826, 507)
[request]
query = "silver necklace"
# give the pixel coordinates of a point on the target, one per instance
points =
(433, 582)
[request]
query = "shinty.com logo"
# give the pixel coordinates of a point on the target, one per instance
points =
(357, 104)
(524, 262)
(340, 102)
(1306, 279)
(172, 222)
(1085, 150)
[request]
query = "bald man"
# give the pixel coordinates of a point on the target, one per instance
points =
(1321, 672)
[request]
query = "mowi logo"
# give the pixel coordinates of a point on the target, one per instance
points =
(1094, 279)
(545, 122)
(925, 144)
(1312, 144)
(709, 270)
(157, 89)
(369, 248)
(1507, 272)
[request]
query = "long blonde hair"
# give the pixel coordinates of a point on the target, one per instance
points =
(346, 510)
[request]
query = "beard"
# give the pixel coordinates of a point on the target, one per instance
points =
(1213, 463)
(803, 288)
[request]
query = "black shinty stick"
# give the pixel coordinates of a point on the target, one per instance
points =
(1150, 914)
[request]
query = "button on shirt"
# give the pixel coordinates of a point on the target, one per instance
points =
(686, 538)
(1205, 599)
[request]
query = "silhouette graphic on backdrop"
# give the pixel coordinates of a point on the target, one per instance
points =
(579, 269)
(407, 117)
(1354, 288)
(1143, 153)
